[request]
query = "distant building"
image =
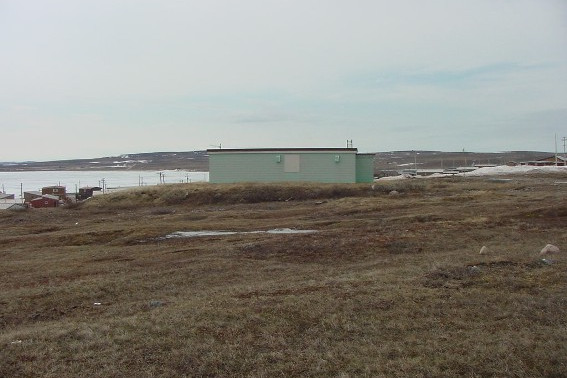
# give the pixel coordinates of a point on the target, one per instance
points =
(550, 160)
(86, 192)
(5, 196)
(31, 195)
(46, 200)
(57, 190)
(331, 165)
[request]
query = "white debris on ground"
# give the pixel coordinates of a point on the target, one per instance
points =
(488, 171)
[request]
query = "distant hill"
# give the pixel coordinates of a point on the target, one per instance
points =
(189, 160)
(199, 161)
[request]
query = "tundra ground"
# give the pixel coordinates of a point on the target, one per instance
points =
(389, 285)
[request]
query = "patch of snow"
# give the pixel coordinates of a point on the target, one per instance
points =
(393, 178)
(129, 161)
(288, 231)
(491, 171)
(437, 175)
(519, 169)
(193, 234)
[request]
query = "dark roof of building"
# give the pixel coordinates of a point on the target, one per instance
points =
(282, 150)
(34, 192)
(559, 158)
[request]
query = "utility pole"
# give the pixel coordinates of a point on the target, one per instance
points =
(556, 149)
(564, 139)
(415, 161)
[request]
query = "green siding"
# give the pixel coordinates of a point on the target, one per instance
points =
(227, 167)
(364, 168)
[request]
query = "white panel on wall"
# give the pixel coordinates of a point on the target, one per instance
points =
(291, 163)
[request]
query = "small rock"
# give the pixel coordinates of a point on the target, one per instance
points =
(474, 269)
(549, 249)
(97, 303)
(320, 202)
(394, 193)
(484, 250)
(546, 261)
(156, 303)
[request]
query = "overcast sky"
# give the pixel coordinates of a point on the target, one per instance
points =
(81, 79)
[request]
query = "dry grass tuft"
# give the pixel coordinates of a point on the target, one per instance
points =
(201, 194)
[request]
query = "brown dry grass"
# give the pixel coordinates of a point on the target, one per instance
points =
(385, 288)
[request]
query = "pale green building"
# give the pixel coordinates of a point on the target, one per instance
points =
(331, 165)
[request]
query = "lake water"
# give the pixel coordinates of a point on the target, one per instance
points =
(14, 182)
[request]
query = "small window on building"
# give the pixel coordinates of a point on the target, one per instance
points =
(278, 158)
(337, 158)
(291, 163)
(55, 190)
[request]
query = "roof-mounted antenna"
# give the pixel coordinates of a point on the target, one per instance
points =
(349, 143)
(219, 146)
